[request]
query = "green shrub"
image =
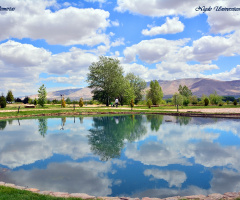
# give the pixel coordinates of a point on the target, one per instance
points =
(186, 102)
(235, 102)
(35, 102)
(132, 103)
(54, 101)
(81, 102)
(206, 101)
(3, 102)
(149, 103)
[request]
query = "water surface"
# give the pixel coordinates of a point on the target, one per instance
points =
(132, 155)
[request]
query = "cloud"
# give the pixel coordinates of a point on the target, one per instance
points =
(158, 8)
(118, 42)
(155, 50)
(233, 74)
(67, 26)
(219, 21)
(224, 22)
(86, 177)
(22, 64)
(148, 153)
(12, 153)
(115, 23)
(171, 26)
(100, 1)
(174, 178)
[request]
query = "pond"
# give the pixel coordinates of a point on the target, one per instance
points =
(127, 155)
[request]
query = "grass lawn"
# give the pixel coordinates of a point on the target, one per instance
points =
(101, 109)
(8, 193)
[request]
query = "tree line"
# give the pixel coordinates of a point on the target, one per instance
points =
(107, 81)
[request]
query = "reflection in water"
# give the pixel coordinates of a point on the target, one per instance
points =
(156, 121)
(42, 126)
(3, 124)
(63, 121)
(81, 120)
(131, 155)
(183, 120)
(108, 134)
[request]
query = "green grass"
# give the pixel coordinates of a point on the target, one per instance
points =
(56, 109)
(8, 193)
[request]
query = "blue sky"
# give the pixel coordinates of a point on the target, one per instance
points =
(54, 42)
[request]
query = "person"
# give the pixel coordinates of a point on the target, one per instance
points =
(116, 102)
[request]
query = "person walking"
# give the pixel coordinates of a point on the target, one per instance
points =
(116, 102)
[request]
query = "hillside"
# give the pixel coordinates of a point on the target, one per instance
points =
(198, 86)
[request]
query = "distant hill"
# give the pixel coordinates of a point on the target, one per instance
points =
(73, 94)
(198, 87)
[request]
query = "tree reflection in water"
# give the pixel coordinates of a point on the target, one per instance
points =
(183, 120)
(3, 125)
(108, 135)
(156, 121)
(42, 126)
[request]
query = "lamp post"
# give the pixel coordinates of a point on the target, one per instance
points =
(62, 95)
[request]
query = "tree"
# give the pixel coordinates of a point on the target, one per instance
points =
(3, 102)
(155, 93)
(132, 104)
(18, 100)
(184, 91)
(68, 100)
(35, 102)
(177, 99)
(106, 79)
(63, 103)
(25, 100)
(42, 95)
(235, 102)
(9, 96)
(81, 102)
(126, 93)
(206, 101)
(215, 98)
(149, 103)
(193, 100)
(138, 85)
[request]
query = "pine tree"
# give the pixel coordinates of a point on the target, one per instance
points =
(9, 96)
(81, 102)
(42, 95)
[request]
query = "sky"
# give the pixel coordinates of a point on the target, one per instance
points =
(53, 42)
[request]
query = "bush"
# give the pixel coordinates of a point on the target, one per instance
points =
(220, 104)
(206, 101)
(54, 101)
(235, 102)
(68, 100)
(81, 102)
(132, 103)
(25, 100)
(35, 102)
(3, 102)
(149, 103)
(63, 103)
(142, 102)
(186, 102)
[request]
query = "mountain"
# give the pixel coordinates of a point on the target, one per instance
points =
(73, 94)
(198, 87)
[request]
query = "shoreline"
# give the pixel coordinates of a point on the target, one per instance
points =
(214, 196)
(172, 113)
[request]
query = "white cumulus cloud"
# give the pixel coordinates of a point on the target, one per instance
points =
(171, 26)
